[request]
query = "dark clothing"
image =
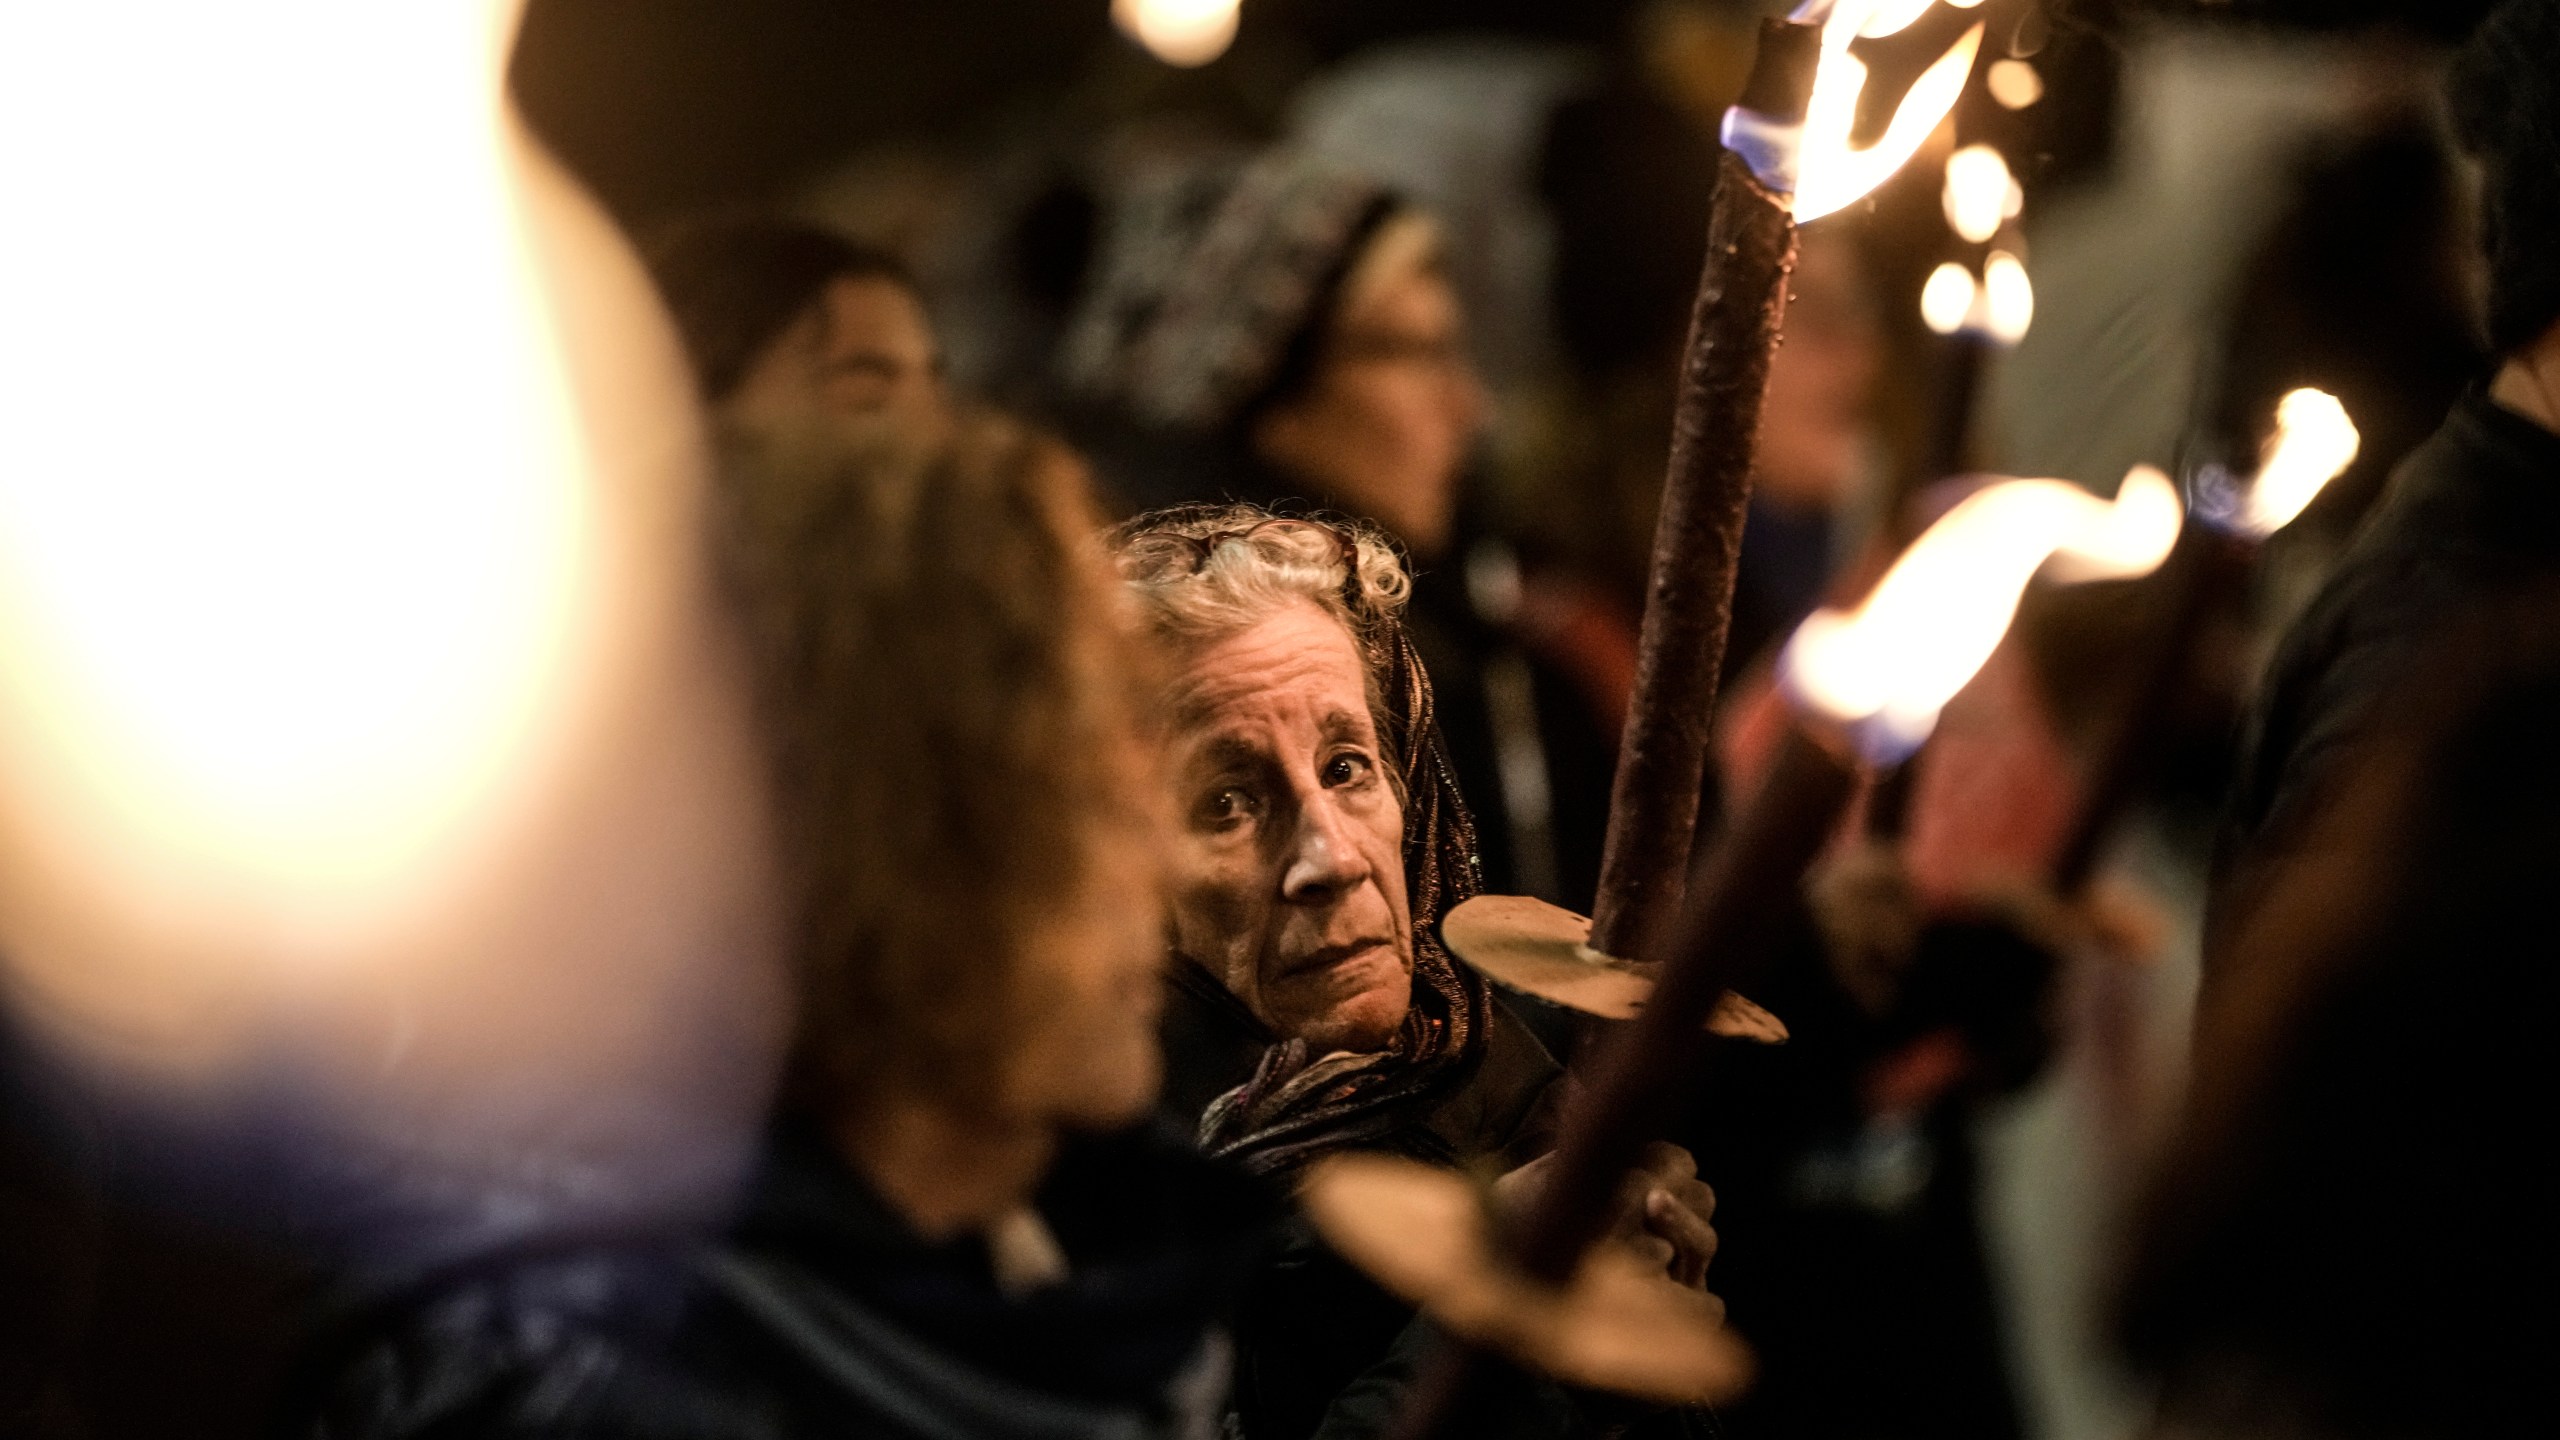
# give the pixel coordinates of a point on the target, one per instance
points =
(1851, 1246)
(1319, 1349)
(2472, 515)
(822, 1313)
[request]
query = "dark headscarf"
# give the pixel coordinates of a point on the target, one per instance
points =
(1298, 1106)
(1210, 284)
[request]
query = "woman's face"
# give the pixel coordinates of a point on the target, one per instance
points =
(1386, 421)
(1288, 871)
(865, 348)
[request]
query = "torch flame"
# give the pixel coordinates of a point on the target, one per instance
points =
(1948, 299)
(1830, 174)
(2008, 299)
(1885, 669)
(2314, 443)
(1981, 194)
(1187, 33)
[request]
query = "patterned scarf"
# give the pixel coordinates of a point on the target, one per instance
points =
(1299, 1106)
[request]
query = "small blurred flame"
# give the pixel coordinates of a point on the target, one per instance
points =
(2000, 306)
(2008, 300)
(1885, 669)
(1188, 33)
(1981, 194)
(1831, 174)
(2014, 83)
(1948, 298)
(2314, 443)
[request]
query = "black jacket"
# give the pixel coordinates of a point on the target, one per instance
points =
(2473, 515)
(1320, 1351)
(822, 1313)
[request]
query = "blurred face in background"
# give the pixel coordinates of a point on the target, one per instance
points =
(1385, 422)
(1813, 425)
(1288, 873)
(865, 348)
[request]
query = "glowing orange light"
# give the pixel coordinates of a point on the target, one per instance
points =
(1981, 195)
(2008, 300)
(1948, 298)
(1885, 669)
(2314, 443)
(1187, 33)
(1831, 174)
(2014, 83)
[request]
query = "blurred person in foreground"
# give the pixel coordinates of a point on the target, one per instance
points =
(1320, 836)
(2473, 512)
(786, 321)
(1280, 331)
(2351, 1234)
(955, 1229)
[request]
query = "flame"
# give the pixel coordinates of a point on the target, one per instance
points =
(2014, 83)
(2314, 443)
(1981, 194)
(1832, 175)
(1948, 298)
(1187, 33)
(2008, 300)
(1885, 669)
(2001, 306)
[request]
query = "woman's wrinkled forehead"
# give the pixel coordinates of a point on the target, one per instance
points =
(1296, 662)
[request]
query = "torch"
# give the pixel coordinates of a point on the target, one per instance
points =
(1864, 689)
(1788, 160)
(2313, 442)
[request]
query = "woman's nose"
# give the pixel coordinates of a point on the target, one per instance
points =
(1322, 861)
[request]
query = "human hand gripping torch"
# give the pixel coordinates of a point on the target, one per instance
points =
(1865, 687)
(1788, 161)
(2313, 443)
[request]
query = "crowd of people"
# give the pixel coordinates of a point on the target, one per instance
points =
(1128, 719)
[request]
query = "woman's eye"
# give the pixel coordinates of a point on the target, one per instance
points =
(1227, 805)
(1347, 769)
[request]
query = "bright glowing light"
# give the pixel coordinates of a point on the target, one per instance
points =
(1830, 174)
(1892, 17)
(1981, 195)
(290, 513)
(1179, 32)
(2014, 83)
(1885, 669)
(2314, 443)
(2008, 300)
(1948, 298)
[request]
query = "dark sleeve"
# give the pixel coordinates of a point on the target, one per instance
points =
(2314, 709)
(1530, 1408)
(573, 1349)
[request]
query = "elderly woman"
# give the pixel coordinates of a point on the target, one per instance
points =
(1319, 838)
(955, 1231)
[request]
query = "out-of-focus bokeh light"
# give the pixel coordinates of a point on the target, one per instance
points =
(1831, 174)
(1947, 298)
(292, 500)
(1187, 33)
(2314, 442)
(1981, 195)
(1885, 669)
(2014, 83)
(2008, 298)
